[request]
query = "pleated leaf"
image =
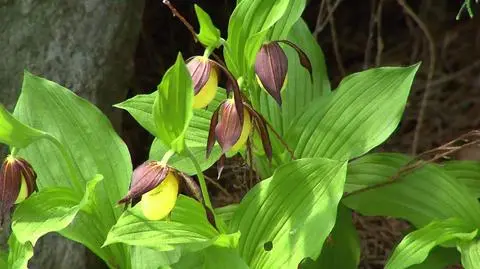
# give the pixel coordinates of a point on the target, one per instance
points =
(287, 217)
(470, 254)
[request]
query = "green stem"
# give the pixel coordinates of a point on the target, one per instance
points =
(167, 157)
(69, 160)
(201, 179)
(13, 151)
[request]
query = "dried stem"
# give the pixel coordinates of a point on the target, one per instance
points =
(431, 69)
(333, 31)
(443, 151)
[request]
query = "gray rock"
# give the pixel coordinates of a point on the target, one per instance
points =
(87, 46)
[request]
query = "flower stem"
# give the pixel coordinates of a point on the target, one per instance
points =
(13, 151)
(201, 179)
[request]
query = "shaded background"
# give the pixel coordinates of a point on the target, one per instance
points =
(116, 49)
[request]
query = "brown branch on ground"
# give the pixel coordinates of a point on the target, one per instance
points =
(333, 32)
(430, 156)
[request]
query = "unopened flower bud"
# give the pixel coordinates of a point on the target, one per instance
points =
(230, 132)
(271, 67)
(17, 182)
(205, 80)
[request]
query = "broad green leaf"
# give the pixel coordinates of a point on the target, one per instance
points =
(50, 210)
(172, 109)
(373, 169)
(248, 25)
(140, 107)
(188, 228)
(89, 139)
(424, 195)
(362, 113)
(212, 257)
(209, 34)
(3, 259)
(285, 211)
(183, 163)
(19, 254)
(415, 247)
(470, 254)
(14, 133)
(146, 258)
(439, 258)
(226, 213)
(467, 172)
(342, 249)
(284, 26)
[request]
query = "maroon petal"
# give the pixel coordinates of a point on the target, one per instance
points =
(232, 85)
(271, 66)
(192, 187)
(199, 68)
(145, 177)
(304, 61)
(211, 131)
(10, 182)
(229, 127)
(261, 126)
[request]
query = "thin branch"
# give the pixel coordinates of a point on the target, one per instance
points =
(431, 69)
(469, 139)
(181, 18)
(378, 57)
(320, 26)
(216, 184)
(333, 31)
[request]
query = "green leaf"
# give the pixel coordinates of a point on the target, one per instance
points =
(284, 211)
(196, 139)
(50, 210)
(219, 257)
(247, 29)
(283, 27)
(342, 249)
(424, 195)
(188, 229)
(470, 254)
(89, 139)
(19, 254)
(14, 133)
(373, 169)
(146, 258)
(209, 34)
(467, 172)
(226, 213)
(439, 258)
(362, 113)
(140, 107)
(415, 247)
(172, 109)
(3, 259)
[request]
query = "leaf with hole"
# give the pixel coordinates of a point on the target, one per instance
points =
(283, 212)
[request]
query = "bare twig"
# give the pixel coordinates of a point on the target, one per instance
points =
(333, 31)
(321, 24)
(469, 139)
(181, 18)
(378, 57)
(371, 27)
(216, 184)
(431, 69)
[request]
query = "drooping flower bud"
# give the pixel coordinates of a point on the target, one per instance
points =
(205, 80)
(271, 67)
(158, 186)
(230, 132)
(17, 182)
